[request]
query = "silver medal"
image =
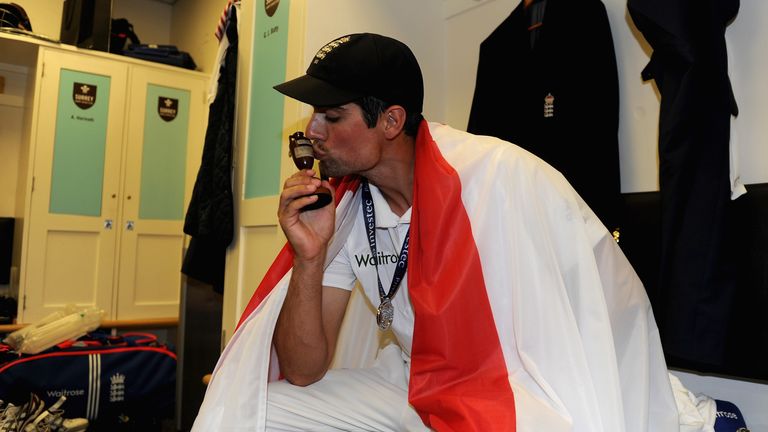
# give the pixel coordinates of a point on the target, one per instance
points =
(384, 314)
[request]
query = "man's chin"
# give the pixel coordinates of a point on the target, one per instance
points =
(330, 170)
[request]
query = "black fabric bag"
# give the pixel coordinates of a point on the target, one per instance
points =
(125, 382)
(121, 31)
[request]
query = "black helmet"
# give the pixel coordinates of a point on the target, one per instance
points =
(14, 16)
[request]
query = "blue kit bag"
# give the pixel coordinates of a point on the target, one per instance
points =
(167, 54)
(124, 382)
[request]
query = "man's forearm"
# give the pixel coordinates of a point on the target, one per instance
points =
(300, 338)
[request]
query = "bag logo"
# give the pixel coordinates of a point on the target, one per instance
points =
(65, 392)
(117, 388)
(167, 108)
(84, 95)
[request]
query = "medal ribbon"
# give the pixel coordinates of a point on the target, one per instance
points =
(370, 227)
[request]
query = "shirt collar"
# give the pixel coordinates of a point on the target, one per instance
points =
(385, 217)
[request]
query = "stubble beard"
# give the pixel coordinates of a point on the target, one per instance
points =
(331, 168)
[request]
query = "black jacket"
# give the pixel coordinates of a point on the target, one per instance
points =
(210, 216)
(574, 61)
(697, 278)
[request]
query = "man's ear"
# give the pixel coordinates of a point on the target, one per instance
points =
(394, 120)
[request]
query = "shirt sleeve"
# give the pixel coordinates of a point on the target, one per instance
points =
(339, 272)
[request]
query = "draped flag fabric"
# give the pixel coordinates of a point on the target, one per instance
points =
(527, 315)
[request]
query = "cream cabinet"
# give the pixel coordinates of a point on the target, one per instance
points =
(114, 146)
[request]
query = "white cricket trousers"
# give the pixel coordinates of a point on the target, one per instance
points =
(371, 399)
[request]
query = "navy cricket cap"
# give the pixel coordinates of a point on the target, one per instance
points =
(728, 417)
(358, 65)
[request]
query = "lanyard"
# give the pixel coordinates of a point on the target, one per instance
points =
(385, 312)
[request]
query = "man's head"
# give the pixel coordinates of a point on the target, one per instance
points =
(358, 66)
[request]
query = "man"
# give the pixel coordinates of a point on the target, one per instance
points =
(511, 305)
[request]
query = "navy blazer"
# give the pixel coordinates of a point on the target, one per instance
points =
(573, 60)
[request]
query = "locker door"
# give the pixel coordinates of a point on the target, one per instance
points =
(167, 126)
(70, 255)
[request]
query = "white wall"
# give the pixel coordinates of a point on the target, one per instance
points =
(747, 40)
(465, 29)
(418, 24)
(192, 29)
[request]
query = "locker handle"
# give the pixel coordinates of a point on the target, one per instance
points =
(129, 225)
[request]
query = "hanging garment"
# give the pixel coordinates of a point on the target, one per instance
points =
(528, 317)
(553, 90)
(697, 277)
(210, 216)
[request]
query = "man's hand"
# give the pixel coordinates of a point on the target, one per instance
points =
(310, 231)
(311, 315)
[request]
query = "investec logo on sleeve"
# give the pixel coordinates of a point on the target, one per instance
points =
(381, 259)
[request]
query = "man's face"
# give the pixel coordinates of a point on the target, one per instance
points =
(342, 141)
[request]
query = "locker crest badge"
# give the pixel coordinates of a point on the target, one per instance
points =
(84, 95)
(167, 108)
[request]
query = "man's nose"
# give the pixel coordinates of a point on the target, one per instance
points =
(315, 129)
